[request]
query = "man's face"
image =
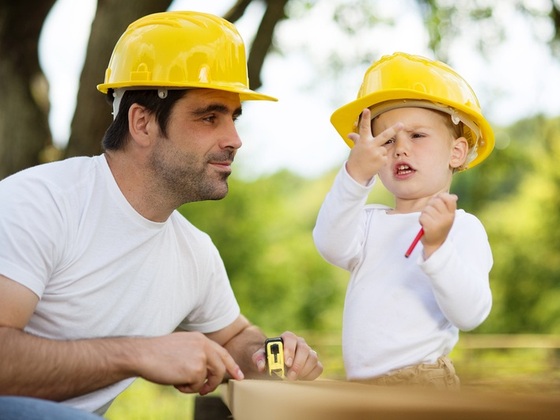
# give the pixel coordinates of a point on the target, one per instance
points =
(193, 162)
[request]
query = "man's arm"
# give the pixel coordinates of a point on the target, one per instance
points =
(245, 342)
(58, 370)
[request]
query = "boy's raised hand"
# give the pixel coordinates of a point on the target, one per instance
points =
(368, 154)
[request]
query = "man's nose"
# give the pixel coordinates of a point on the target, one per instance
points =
(231, 138)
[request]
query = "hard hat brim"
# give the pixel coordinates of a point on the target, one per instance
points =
(244, 93)
(345, 118)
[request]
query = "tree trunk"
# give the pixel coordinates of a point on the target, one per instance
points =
(24, 125)
(93, 114)
(273, 14)
(263, 40)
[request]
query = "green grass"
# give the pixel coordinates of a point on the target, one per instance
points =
(518, 370)
(146, 401)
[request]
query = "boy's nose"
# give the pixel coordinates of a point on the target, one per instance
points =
(401, 146)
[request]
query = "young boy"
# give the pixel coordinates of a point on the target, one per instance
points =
(415, 122)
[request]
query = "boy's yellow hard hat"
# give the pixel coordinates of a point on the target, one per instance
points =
(401, 80)
(180, 50)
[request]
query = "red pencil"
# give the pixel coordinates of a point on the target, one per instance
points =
(414, 242)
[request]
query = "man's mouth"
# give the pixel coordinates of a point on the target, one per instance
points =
(222, 164)
(223, 161)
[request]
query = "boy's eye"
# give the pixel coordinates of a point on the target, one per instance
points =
(390, 141)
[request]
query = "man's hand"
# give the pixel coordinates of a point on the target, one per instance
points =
(188, 360)
(437, 219)
(368, 155)
(300, 359)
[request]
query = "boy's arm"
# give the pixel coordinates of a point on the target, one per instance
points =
(459, 272)
(338, 231)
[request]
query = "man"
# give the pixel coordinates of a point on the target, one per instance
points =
(101, 279)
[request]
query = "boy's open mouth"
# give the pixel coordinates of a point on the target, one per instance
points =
(403, 169)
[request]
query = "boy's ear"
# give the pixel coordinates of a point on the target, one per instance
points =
(459, 152)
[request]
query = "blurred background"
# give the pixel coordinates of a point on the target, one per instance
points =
(312, 55)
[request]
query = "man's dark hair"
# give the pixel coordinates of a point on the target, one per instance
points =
(117, 133)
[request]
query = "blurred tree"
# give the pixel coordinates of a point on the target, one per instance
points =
(24, 126)
(493, 180)
(446, 20)
(522, 228)
(92, 115)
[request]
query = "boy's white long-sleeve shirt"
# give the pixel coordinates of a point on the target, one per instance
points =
(401, 311)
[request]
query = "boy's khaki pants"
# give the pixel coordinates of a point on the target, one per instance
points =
(439, 375)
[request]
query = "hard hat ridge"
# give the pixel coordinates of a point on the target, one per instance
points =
(400, 80)
(180, 50)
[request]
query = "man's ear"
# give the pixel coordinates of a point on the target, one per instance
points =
(139, 124)
(459, 152)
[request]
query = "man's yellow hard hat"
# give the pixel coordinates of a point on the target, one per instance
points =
(180, 50)
(404, 80)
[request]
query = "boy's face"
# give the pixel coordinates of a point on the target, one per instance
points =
(421, 157)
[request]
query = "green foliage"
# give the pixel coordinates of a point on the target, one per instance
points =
(492, 180)
(521, 213)
(263, 231)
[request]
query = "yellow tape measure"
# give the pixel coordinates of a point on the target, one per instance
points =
(275, 357)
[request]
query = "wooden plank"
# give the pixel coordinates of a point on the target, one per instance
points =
(333, 400)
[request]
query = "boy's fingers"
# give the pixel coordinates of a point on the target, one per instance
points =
(354, 137)
(364, 129)
(449, 201)
(365, 122)
(389, 133)
(365, 133)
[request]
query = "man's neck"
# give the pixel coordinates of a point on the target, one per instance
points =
(136, 184)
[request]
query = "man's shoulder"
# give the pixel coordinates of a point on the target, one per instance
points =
(68, 181)
(184, 225)
(64, 171)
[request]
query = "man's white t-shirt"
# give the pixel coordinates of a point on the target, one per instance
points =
(99, 268)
